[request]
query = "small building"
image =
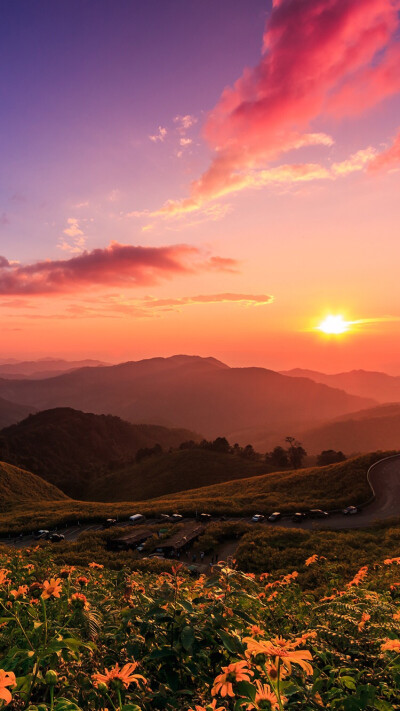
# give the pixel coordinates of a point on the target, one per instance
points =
(180, 541)
(130, 541)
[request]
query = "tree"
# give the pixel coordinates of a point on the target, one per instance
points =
(278, 457)
(296, 452)
(330, 456)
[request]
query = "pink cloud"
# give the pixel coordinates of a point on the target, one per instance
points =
(387, 159)
(116, 265)
(314, 52)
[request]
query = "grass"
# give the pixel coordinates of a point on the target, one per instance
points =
(323, 487)
(18, 485)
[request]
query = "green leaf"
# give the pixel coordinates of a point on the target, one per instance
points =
(246, 689)
(187, 637)
(232, 644)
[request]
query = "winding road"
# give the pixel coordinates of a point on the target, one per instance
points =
(384, 480)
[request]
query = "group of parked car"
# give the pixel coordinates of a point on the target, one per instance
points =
(44, 534)
(300, 516)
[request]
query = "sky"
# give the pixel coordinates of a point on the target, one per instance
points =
(211, 178)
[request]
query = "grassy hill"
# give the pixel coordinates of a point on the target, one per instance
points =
(18, 486)
(170, 473)
(70, 449)
(319, 487)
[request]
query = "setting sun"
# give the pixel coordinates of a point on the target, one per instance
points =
(334, 325)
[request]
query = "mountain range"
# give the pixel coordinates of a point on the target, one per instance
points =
(362, 383)
(200, 394)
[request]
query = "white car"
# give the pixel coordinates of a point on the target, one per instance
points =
(257, 518)
(350, 511)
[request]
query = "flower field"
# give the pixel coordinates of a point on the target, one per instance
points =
(92, 638)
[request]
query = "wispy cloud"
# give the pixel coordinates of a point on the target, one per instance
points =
(159, 136)
(320, 57)
(388, 159)
(77, 242)
(117, 264)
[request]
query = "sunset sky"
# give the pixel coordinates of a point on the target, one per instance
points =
(204, 177)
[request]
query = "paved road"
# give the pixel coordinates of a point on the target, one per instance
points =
(384, 477)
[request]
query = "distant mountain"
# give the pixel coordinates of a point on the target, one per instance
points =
(376, 428)
(363, 383)
(10, 412)
(18, 485)
(202, 394)
(43, 368)
(72, 449)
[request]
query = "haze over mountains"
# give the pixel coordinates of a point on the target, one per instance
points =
(43, 368)
(201, 394)
(363, 383)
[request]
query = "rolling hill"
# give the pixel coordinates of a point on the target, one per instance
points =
(171, 472)
(43, 368)
(71, 449)
(362, 383)
(375, 428)
(18, 486)
(202, 394)
(11, 412)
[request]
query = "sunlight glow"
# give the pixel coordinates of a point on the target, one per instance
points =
(334, 325)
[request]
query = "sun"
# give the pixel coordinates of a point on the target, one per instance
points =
(334, 325)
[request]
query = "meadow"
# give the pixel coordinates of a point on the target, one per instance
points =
(89, 638)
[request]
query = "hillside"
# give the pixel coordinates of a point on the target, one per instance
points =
(18, 486)
(188, 391)
(44, 367)
(374, 428)
(169, 473)
(11, 412)
(363, 383)
(70, 448)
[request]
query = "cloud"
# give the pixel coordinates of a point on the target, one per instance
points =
(115, 265)
(185, 122)
(159, 136)
(73, 229)
(315, 52)
(78, 243)
(356, 162)
(388, 159)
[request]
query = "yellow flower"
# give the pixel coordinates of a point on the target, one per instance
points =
(237, 671)
(283, 650)
(124, 675)
(391, 645)
(22, 590)
(6, 679)
(212, 706)
(264, 693)
(3, 576)
(52, 588)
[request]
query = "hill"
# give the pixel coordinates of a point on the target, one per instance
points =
(11, 412)
(202, 394)
(171, 472)
(43, 368)
(71, 449)
(374, 428)
(18, 486)
(362, 383)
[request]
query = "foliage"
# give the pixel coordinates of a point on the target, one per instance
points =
(91, 638)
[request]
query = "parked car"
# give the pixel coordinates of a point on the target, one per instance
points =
(55, 537)
(275, 516)
(140, 547)
(257, 518)
(136, 518)
(205, 517)
(298, 517)
(350, 511)
(109, 522)
(156, 555)
(164, 517)
(176, 517)
(43, 533)
(317, 513)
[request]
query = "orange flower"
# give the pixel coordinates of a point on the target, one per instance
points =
(359, 577)
(283, 650)
(79, 600)
(95, 565)
(82, 580)
(312, 559)
(212, 706)
(3, 576)
(22, 590)
(264, 693)
(396, 616)
(6, 679)
(124, 675)
(364, 618)
(237, 671)
(255, 629)
(391, 645)
(389, 561)
(52, 588)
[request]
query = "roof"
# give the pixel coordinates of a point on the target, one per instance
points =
(133, 537)
(184, 536)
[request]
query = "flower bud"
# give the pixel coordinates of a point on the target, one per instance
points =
(51, 677)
